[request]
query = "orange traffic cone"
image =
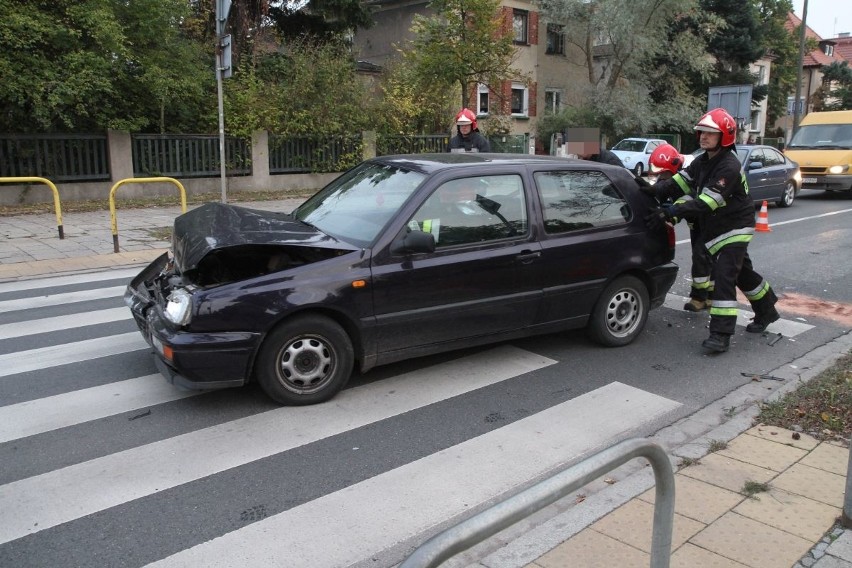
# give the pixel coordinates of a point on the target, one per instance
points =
(762, 225)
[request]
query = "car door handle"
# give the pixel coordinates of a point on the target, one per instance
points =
(528, 256)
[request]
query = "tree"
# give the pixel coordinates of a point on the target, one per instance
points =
(463, 44)
(97, 64)
(320, 19)
(638, 56)
(835, 93)
(782, 48)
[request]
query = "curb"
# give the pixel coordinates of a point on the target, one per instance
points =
(689, 437)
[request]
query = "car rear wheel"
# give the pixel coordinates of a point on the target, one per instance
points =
(638, 169)
(788, 196)
(620, 313)
(305, 360)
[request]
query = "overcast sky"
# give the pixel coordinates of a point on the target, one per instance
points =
(828, 18)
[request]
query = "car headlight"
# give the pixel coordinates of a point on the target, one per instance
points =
(838, 169)
(179, 307)
(798, 176)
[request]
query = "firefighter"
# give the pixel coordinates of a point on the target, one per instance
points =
(468, 138)
(664, 163)
(725, 213)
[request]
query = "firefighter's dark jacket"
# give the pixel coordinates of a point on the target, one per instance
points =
(720, 200)
(474, 142)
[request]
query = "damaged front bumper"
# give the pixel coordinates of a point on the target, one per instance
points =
(187, 359)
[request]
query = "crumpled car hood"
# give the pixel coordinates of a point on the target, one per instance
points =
(215, 226)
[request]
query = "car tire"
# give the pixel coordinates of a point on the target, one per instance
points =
(620, 312)
(305, 360)
(788, 196)
(638, 169)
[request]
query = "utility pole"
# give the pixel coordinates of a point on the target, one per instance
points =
(796, 110)
(223, 70)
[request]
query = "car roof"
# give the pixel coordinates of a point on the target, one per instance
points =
(644, 139)
(429, 163)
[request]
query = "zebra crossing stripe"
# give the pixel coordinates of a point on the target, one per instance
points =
(56, 355)
(392, 511)
(68, 409)
(43, 501)
(61, 299)
(53, 281)
(71, 321)
(787, 328)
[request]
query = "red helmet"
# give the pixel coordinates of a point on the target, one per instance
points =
(665, 157)
(466, 116)
(718, 120)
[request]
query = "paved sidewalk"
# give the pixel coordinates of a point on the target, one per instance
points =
(789, 521)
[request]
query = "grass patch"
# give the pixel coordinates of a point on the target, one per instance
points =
(821, 408)
(716, 445)
(752, 488)
(87, 206)
(686, 462)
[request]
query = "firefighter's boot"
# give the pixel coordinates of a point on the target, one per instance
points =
(717, 342)
(694, 305)
(760, 321)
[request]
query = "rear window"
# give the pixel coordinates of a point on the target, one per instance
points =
(630, 146)
(574, 199)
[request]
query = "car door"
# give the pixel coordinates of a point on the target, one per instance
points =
(758, 177)
(587, 239)
(483, 277)
(776, 171)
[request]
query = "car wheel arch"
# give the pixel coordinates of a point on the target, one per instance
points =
(341, 319)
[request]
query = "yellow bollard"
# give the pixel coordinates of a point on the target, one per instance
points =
(56, 205)
(114, 221)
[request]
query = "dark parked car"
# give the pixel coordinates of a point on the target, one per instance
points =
(399, 257)
(771, 175)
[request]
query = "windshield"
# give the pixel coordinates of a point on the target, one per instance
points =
(630, 146)
(356, 206)
(823, 136)
(742, 155)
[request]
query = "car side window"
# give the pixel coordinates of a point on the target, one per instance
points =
(474, 210)
(579, 199)
(757, 156)
(773, 158)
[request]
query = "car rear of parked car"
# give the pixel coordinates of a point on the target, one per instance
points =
(401, 256)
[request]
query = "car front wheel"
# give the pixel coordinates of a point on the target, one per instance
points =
(620, 313)
(789, 194)
(305, 360)
(638, 169)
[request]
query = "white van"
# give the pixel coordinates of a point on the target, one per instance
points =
(823, 148)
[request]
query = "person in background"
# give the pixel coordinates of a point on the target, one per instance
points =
(725, 210)
(594, 153)
(468, 138)
(665, 162)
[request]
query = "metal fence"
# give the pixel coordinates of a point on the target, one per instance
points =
(393, 144)
(188, 155)
(300, 154)
(85, 157)
(59, 157)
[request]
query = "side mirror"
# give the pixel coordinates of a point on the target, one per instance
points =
(412, 242)
(754, 165)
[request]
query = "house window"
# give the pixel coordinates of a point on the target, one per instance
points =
(761, 74)
(755, 120)
(555, 39)
(520, 96)
(552, 100)
(482, 100)
(520, 25)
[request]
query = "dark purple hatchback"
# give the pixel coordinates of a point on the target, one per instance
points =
(399, 257)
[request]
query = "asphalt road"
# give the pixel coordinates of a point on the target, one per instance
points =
(106, 464)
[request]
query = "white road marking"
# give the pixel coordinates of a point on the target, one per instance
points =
(60, 299)
(56, 355)
(787, 328)
(37, 503)
(76, 407)
(52, 281)
(71, 321)
(382, 512)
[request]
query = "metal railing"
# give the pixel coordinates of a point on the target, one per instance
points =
(301, 154)
(112, 216)
(387, 145)
(57, 204)
(60, 157)
(466, 534)
(188, 155)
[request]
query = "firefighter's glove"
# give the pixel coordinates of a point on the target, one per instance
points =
(658, 217)
(644, 186)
